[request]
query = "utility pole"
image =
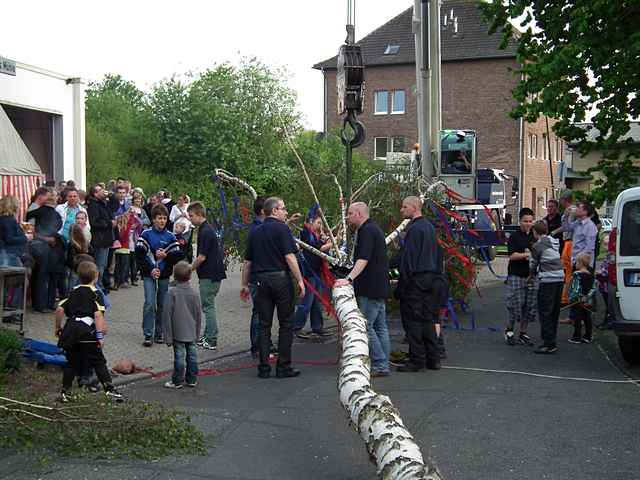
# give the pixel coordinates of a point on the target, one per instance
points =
(426, 27)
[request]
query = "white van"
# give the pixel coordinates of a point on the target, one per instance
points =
(624, 273)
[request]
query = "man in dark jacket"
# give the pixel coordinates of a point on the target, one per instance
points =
(420, 288)
(45, 249)
(102, 222)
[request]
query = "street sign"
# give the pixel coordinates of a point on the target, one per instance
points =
(7, 66)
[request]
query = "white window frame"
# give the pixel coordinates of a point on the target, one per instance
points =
(404, 106)
(375, 103)
(558, 149)
(533, 145)
(375, 148)
(391, 139)
(545, 150)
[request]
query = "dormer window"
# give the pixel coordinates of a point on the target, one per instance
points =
(392, 49)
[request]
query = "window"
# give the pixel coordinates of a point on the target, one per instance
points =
(399, 144)
(629, 228)
(533, 145)
(545, 150)
(381, 102)
(558, 150)
(392, 49)
(397, 103)
(380, 145)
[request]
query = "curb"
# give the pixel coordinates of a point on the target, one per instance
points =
(122, 380)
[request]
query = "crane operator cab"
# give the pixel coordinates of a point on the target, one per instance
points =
(458, 161)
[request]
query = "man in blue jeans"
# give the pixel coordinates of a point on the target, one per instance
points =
(157, 251)
(209, 264)
(370, 278)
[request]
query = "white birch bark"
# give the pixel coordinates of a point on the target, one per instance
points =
(228, 177)
(390, 445)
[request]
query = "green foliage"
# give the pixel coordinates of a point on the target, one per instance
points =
(91, 426)
(10, 351)
(176, 135)
(575, 57)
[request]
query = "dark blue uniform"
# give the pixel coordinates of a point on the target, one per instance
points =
(267, 247)
(421, 291)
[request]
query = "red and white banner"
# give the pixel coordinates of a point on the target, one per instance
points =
(22, 187)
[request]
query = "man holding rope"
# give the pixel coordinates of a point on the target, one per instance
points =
(271, 256)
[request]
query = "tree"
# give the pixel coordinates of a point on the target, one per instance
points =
(228, 117)
(575, 57)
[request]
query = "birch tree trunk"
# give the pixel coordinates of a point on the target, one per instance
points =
(390, 445)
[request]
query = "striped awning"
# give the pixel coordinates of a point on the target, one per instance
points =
(22, 187)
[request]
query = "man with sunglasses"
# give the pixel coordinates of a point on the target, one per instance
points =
(271, 257)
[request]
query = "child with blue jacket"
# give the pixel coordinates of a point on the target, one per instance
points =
(157, 251)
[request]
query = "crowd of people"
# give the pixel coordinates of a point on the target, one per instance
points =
(552, 265)
(80, 247)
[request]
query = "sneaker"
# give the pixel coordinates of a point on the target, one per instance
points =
(586, 340)
(147, 342)
(92, 388)
(322, 333)
(64, 397)
(172, 385)
(192, 384)
(397, 363)
(546, 350)
(380, 373)
(576, 340)
(208, 346)
(158, 340)
(509, 337)
(200, 342)
(113, 394)
(525, 339)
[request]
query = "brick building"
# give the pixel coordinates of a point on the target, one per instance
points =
(477, 80)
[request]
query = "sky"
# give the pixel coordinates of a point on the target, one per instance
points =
(147, 41)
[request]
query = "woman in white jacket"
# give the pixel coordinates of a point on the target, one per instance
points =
(179, 210)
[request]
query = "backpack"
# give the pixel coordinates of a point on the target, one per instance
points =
(575, 291)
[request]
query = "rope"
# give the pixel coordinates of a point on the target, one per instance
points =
(540, 375)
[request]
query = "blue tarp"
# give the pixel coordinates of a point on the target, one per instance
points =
(43, 352)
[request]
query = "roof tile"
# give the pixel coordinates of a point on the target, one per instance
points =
(471, 41)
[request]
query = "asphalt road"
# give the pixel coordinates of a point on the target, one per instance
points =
(472, 424)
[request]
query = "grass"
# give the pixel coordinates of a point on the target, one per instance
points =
(89, 426)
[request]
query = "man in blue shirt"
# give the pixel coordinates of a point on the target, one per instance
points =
(253, 290)
(585, 232)
(271, 255)
(210, 267)
(157, 251)
(68, 211)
